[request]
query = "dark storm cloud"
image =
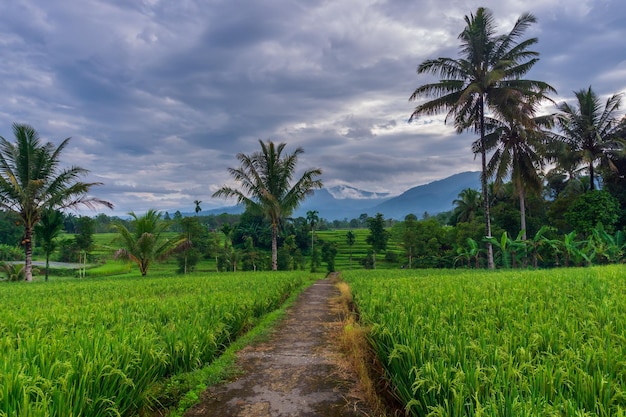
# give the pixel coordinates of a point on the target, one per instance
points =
(160, 95)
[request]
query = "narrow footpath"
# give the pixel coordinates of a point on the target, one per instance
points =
(298, 372)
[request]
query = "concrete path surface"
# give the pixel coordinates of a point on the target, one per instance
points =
(297, 372)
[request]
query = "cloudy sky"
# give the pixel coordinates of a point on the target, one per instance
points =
(160, 95)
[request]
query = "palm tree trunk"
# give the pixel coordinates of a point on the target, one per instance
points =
(47, 264)
(483, 183)
(274, 247)
(592, 185)
(28, 248)
(522, 211)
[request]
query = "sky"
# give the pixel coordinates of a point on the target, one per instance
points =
(159, 96)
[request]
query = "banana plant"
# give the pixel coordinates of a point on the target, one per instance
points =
(571, 248)
(509, 248)
(533, 245)
(610, 247)
(472, 252)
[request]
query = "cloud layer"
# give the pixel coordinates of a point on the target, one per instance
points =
(160, 95)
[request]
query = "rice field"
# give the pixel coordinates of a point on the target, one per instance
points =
(97, 347)
(507, 343)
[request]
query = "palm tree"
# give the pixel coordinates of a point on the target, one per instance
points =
(312, 217)
(488, 72)
(467, 205)
(31, 181)
(145, 242)
(265, 185)
(350, 241)
(590, 132)
(198, 208)
(518, 139)
(47, 230)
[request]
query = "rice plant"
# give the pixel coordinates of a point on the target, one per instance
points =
(507, 343)
(96, 347)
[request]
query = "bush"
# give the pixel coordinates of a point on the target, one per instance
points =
(11, 253)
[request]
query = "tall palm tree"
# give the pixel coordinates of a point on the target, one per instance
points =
(31, 181)
(467, 205)
(489, 71)
(265, 185)
(591, 133)
(145, 242)
(312, 217)
(518, 139)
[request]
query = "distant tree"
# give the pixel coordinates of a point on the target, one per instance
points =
(378, 236)
(409, 236)
(31, 181)
(312, 216)
(265, 185)
(329, 253)
(467, 205)
(11, 229)
(591, 209)
(350, 241)
(85, 230)
(316, 259)
(145, 242)
(196, 240)
(46, 231)
(198, 208)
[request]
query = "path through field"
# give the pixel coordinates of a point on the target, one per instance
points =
(296, 373)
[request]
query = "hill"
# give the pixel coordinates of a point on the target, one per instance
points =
(337, 203)
(435, 197)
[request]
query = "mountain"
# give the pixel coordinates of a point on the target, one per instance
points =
(331, 208)
(345, 191)
(435, 197)
(345, 202)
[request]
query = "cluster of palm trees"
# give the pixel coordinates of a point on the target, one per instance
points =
(484, 90)
(33, 183)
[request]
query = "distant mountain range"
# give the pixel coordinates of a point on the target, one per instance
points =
(341, 202)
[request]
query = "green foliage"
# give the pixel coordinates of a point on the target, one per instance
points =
(591, 209)
(13, 272)
(378, 236)
(146, 242)
(11, 229)
(507, 343)
(329, 253)
(10, 253)
(100, 347)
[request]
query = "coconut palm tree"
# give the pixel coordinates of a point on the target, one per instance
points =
(591, 133)
(490, 69)
(31, 181)
(264, 179)
(145, 242)
(312, 216)
(467, 205)
(518, 139)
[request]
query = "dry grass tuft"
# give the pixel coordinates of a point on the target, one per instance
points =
(358, 354)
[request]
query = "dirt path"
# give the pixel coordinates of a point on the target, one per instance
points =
(298, 372)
